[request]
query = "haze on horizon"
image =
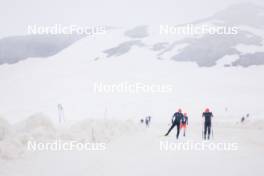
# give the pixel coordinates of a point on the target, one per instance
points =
(16, 15)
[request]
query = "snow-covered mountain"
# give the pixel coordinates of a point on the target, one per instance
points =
(141, 55)
(17, 48)
(245, 48)
(207, 50)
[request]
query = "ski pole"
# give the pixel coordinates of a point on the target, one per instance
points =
(212, 132)
(203, 131)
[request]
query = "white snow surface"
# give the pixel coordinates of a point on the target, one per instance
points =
(68, 78)
(37, 86)
(38, 127)
(131, 150)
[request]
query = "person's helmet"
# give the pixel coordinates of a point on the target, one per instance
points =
(185, 114)
(207, 110)
(179, 110)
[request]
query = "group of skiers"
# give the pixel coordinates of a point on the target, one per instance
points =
(180, 120)
(244, 118)
(147, 121)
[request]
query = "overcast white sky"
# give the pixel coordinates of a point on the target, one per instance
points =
(16, 15)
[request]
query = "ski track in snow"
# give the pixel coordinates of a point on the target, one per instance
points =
(139, 154)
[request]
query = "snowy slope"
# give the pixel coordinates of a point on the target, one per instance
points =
(138, 153)
(36, 85)
(222, 73)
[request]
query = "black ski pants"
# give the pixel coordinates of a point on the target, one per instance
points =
(177, 124)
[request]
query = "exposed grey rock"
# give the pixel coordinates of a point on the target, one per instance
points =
(250, 59)
(160, 46)
(17, 48)
(123, 48)
(206, 51)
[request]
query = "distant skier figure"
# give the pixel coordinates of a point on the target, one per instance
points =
(242, 119)
(176, 121)
(184, 123)
(141, 121)
(247, 115)
(207, 123)
(147, 121)
(149, 118)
